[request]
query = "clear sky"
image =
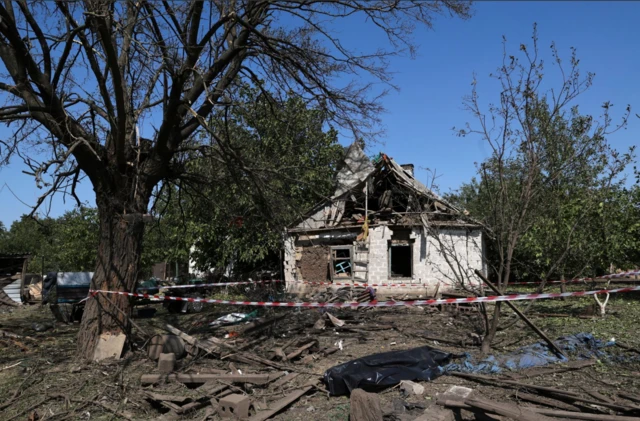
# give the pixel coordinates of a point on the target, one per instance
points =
(420, 117)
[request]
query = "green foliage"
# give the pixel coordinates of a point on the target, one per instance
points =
(552, 180)
(579, 219)
(67, 243)
(235, 213)
(285, 164)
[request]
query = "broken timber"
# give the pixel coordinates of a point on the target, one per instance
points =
(524, 318)
(279, 405)
(211, 345)
(452, 403)
(203, 378)
(556, 393)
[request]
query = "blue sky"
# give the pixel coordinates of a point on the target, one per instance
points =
(420, 117)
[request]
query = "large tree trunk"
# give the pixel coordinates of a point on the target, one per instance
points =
(117, 269)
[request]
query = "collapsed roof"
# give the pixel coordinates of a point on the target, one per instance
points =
(387, 192)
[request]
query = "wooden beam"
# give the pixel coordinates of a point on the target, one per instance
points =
(524, 318)
(203, 378)
(279, 405)
(454, 403)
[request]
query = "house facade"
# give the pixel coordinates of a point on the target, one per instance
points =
(382, 226)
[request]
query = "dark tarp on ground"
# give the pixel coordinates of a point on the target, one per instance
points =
(379, 371)
(376, 372)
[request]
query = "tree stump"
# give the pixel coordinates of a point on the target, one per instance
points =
(365, 406)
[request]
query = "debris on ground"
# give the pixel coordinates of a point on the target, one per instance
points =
(393, 363)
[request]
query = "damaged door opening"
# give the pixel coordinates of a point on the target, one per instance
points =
(341, 265)
(400, 260)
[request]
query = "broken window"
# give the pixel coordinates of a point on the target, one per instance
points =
(401, 255)
(341, 264)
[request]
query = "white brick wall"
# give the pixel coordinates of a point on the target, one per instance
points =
(464, 251)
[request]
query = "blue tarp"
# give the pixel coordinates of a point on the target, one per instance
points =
(579, 346)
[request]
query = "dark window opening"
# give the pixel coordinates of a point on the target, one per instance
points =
(341, 265)
(400, 261)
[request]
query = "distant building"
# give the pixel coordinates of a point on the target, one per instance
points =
(412, 236)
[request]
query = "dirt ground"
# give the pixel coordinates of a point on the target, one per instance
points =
(40, 377)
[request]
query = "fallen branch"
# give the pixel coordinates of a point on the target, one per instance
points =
(11, 366)
(540, 333)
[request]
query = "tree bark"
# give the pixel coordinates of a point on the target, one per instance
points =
(488, 338)
(117, 268)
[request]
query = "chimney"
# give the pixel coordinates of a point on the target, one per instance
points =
(408, 168)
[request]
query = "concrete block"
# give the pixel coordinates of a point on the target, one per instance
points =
(459, 393)
(411, 388)
(166, 363)
(234, 406)
(165, 344)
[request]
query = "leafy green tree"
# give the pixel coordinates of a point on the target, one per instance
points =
(288, 164)
(547, 167)
(76, 240)
(28, 235)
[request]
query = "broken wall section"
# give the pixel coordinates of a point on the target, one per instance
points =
(435, 263)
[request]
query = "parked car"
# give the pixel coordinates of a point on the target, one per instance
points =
(65, 292)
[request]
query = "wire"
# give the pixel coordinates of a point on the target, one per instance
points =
(14, 195)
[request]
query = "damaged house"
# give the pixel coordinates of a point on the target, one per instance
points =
(411, 237)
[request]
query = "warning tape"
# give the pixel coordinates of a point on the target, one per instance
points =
(514, 297)
(582, 280)
(347, 284)
(359, 285)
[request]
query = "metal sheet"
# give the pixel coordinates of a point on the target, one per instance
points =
(13, 291)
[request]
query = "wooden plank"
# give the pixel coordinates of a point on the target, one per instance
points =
(546, 401)
(524, 318)
(364, 406)
(507, 410)
(279, 405)
(109, 346)
(556, 392)
(300, 350)
(168, 398)
(481, 378)
(633, 398)
(253, 359)
(453, 403)
(211, 345)
(286, 379)
(203, 378)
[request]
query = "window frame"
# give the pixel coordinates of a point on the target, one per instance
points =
(333, 259)
(397, 243)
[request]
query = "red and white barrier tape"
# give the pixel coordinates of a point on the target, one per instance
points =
(222, 284)
(582, 280)
(219, 284)
(515, 297)
(359, 285)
